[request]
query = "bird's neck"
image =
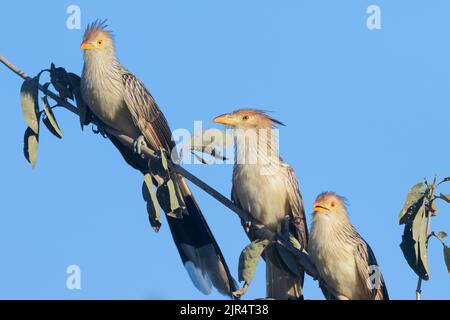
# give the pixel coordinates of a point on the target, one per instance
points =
(256, 146)
(329, 226)
(102, 65)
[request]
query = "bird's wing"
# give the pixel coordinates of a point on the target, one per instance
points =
(369, 272)
(297, 211)
(196, 244)
(235, 199)
(146, 114)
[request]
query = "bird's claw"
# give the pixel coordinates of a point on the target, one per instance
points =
(138, 143)
(100, 129)
(248, 225)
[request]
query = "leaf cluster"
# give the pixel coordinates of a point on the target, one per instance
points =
(419, 207)
(37, 110)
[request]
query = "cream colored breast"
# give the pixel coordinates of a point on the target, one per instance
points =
(264, 196)
(105, 99)
(333, 257)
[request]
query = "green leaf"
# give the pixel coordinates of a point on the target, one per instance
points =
(423, 249)
(30, 148)
(445, 197)
(50, 120)
(447, 257)
(83, 111)
(148, 192)
(414, 244)
(417, 229)
(413, 203)
(249, 259)
(61, 82)
(29, 102)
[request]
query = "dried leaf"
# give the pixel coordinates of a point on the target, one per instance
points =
(30, 148)
(168, 199)
(50, 120)
(240, 292)
(148, 192)
(295, 243)
(29, 102)
(434, 209)
(413, 203)
(441, 235)
(249, 258)
(208, 142)
(164, 163)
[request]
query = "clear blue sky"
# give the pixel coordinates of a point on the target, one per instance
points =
(367, 116)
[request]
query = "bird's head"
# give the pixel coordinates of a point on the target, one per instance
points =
(330, 203)
(247, 119)
(97, 38)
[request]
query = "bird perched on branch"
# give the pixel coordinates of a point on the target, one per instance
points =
(267, 188)
(344, 260)
(121, 101)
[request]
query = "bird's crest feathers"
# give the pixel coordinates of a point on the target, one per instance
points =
(96, 27)
(327, 194)
(262, 113)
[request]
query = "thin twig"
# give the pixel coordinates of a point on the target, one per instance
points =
(148, 153)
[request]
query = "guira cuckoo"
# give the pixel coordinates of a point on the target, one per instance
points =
(344, 260)
(121, 101)
(267, 188)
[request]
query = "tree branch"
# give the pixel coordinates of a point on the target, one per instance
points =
(148, 154)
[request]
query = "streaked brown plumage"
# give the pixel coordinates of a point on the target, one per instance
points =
(122, 102)
(341, 255)
(267, 188)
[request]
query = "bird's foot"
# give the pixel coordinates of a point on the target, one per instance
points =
(138, 143)
(247, 225)
(100, 129)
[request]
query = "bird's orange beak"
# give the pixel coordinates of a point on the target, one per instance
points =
(226, 119)
(320, 207)
(86, 46)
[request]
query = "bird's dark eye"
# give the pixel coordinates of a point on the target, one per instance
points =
(99, 42)
(333, 204)
(245, 118)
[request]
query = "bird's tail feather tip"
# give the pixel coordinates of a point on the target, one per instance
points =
(200, 279)
(207, 270)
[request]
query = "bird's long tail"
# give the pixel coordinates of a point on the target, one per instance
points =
(281, 284)
(195, 242)
(198, 249)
